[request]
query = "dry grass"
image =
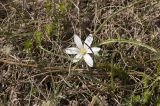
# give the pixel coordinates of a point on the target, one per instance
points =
(123, 74)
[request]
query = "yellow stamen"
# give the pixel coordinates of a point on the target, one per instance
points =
(83, 51)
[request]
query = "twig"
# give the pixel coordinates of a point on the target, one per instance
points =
(18, 63)
(47, 70)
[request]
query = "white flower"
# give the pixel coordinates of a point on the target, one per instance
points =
(83, 50)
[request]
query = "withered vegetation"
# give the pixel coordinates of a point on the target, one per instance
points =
(35, 71)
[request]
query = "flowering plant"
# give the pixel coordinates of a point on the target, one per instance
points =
(83, 50)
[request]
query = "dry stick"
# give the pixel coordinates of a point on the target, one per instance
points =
(113, 15)
(64, 70)
(18, 63)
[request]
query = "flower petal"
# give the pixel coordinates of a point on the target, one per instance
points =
(77, 58)
(93, 50)
(88, 59)
(88, 41)
(78, 41)
(72, 50)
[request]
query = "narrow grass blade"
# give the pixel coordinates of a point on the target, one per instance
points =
(136, 43)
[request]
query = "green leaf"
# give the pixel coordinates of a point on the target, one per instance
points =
(38, 37)
(145, 80)
(48, 6)
(130, 42)
(49, 29)
(27, 44)
(135, 99)
(158, 102)
(147, 96)
(34, 90)
(62, 7)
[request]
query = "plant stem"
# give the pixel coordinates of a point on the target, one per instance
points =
(54, 53)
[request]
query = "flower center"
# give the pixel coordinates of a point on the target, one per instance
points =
(83, 51)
